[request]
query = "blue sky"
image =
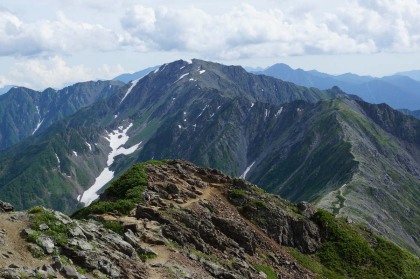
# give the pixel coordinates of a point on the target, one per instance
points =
(58, 42)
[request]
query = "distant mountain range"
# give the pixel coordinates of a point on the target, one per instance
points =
(411, 74)
(5, 89)
(356, 159)
(129, 77)
(400, 91)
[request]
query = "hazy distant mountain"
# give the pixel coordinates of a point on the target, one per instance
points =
(415, 113)
(400, 92)
(356, 159)
(5, 89)
(129, 77)
(411, 74)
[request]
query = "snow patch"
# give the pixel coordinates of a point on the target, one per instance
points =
(182, 67)
(117, 139)
(39, 122)
(218, 107)
(252, 104)
(90, 146)
(267, 112)
(37, 126)
(202, 72)
(243, 176)
(201, 113)
(58, 159)
(133, 83)
(75, 153)
(279, 112)
(179, 126)
(189, 61)
(181, 77)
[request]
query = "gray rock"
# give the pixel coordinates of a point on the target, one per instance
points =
(63, 218)
(27, 232)
(193, 256)
(49, 270)
(306, 209)
(77, 232)
(70, 272)
(119, 244)
(80, 244)
(57, 265)
(43, 227)
(131, 238)
(6, 207)
(46, 243)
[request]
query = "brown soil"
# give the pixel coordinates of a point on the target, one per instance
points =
(15, 248)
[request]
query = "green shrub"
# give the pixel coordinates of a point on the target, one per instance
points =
(57, 230)
(346, 252)
(123, 194)
(36, 209)
(237, 193)
(267, 270)
(114, 226)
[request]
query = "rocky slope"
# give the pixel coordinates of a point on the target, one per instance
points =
(174, 220)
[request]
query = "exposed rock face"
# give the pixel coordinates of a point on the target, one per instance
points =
(186, 227)
(190, 223)
(5, 207)
(76, 245)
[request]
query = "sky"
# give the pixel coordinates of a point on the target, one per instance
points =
(54, 43)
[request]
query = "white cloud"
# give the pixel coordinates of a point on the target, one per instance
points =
(54, 72)
(61, 35)
(357, 27)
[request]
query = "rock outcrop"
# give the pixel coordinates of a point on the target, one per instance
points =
(186, 222)
(5, 207)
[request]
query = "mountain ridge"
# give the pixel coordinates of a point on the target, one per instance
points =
(310, 142)
(171, 219)
(398, 91)
(24, 112)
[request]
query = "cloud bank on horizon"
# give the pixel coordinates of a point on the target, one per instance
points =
(43, 48)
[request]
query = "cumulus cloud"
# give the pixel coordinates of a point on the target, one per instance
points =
(358, 27)
(52, 37)
(54, 72)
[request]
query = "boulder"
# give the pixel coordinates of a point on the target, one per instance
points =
(6, 207)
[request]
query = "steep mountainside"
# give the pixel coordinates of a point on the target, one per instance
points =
(398, 91)
(174, 220)
(24, 112)
(343, 154)
(65, 159)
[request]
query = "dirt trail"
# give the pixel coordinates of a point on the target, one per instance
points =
(14, 250)
(207, 193)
